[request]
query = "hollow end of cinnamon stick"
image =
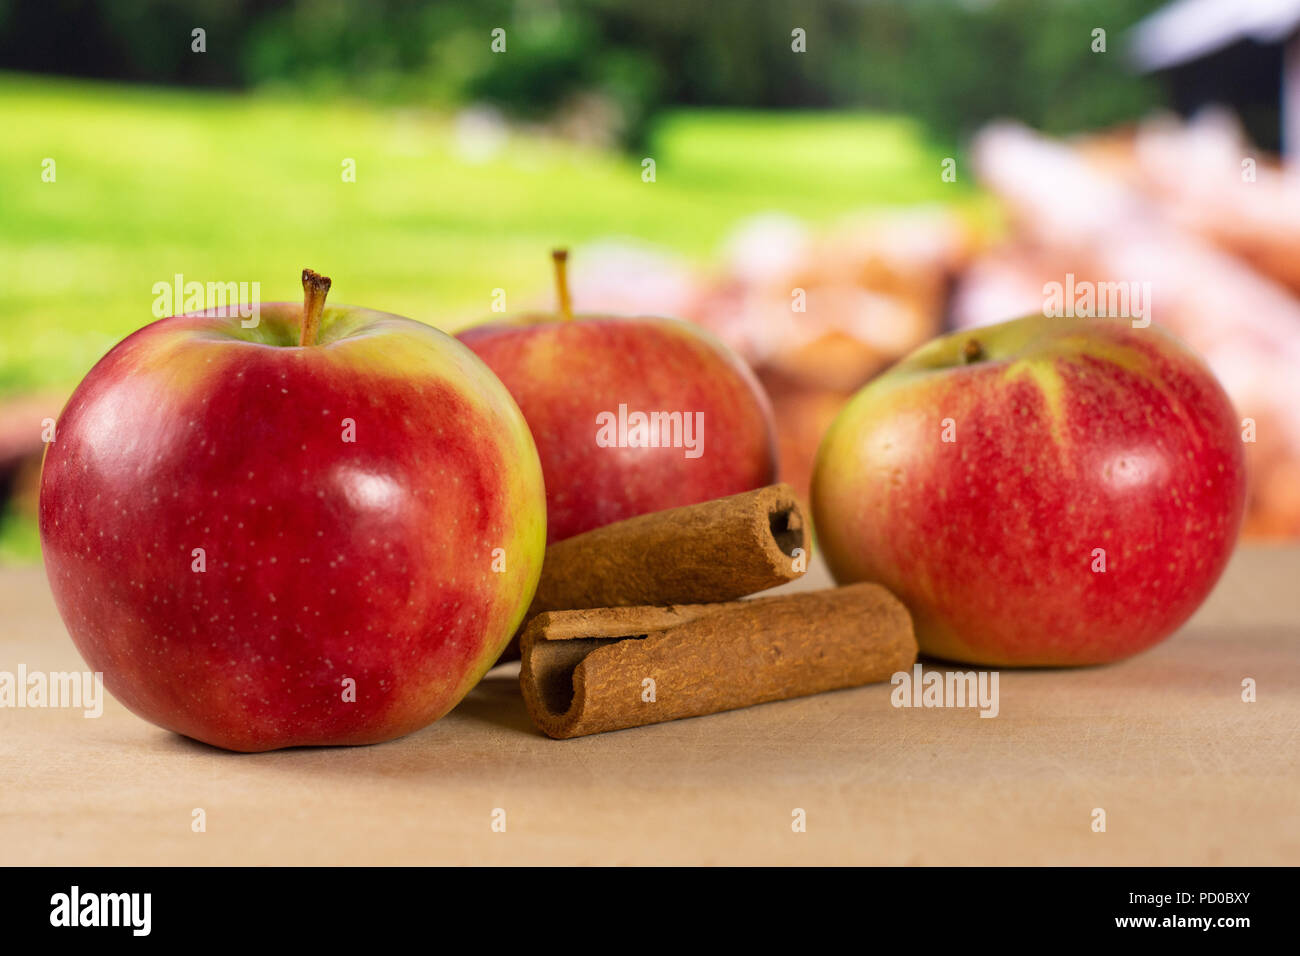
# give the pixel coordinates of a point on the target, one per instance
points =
(595, 670)
(785, 522)
(564, 639)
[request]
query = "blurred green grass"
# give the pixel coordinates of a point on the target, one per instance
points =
(19, 541)
(222, 187)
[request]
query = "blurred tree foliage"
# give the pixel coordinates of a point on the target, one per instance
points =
(952, 63)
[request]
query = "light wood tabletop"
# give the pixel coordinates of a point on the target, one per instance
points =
(1185, 770)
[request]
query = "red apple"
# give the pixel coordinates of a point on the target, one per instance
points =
(582, 381)
(1040, 492)
(283, 535)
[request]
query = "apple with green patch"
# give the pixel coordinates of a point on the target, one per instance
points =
(630, 414)
(319, 530)
(1039, 492)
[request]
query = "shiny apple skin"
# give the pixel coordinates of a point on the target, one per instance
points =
(325, 559)
(1071, 435)
(565, 373)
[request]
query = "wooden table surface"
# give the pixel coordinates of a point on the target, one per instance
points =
(1185, 770)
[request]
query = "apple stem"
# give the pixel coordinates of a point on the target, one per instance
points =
(314, 289)
(561, 257)
(972, 351)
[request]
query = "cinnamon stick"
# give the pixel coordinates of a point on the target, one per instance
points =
(718, 550)
(593, 670)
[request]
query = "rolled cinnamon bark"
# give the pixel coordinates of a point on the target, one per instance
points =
(589, 671)
(718, 550)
